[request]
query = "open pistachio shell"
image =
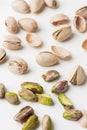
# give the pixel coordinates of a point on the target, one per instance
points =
(82, 12)
(84, 45)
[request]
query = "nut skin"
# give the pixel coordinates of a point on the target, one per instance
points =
(73, 115)
(24, 114)
(34, 87)
(64, 100)
(60, 87)
(12, 98)
(51, 75)
(2, 90)
(31, 124)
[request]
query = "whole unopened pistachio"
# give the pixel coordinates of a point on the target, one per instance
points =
(20, 6)
(59, 19)
(12, 42)
(73, 115)
(51, 3)
(47, 123)
(2, 90)
(12, 98)
(46, 59)
(65, 101)
(80, 23)
(84, 44)
(18, 66)
(28, 24)
(78, 76)
(34, 87)
(36, 5)
(11, 25)
(31, 124)
(60, 87)
(2, 55)
(82, 12)
(51, 75)
(62, 34)
(24, 114)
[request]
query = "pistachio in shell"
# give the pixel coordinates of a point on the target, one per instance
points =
(2, 90)
(51, 3)
(84, 44)
(82, 12)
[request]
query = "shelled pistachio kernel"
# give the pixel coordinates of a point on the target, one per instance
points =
(2, 90)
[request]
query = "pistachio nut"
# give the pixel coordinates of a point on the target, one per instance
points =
(36, 5)
(65, 101)
(80, 23)
(51, 75)
(11, 25)
(33, 40)
(46, 58)
(59, 19)
(62, 34)
(18, 66)
(12, 98)
(78, 76)
(31, 124)
(73, 115)
(12, 42)
(61, 52)
(45, 99)
(60, 87)
(24, 114)
(28, 24)
(82, 12)
(27, 95)
(34, 87)
(51, 3)
(84, 44)
(2, 90)
(2, 55)
(20, 6)
(47, 123)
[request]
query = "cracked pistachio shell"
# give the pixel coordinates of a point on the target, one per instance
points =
(11, 25)
(34, 87)
(45, 99)
(80, 23)
(28, 24)
(12, 98)
(24, 114)
(82, 12)
(47, 123)
(46, 59)
(2, 90)
(65, 101)
(27, 95)
(62, 34)
(84, 44)
(20, 6)
(36, 5)
(73, 115)
(51, 75)
(2, 55)
(51, 3)
(31, 124)
(78, 76)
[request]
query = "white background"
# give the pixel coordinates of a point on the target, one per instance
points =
(78, 95)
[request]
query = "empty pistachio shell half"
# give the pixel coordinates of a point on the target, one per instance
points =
(33, 40)
(2, 90)
(36, 5)
(51, 3)
(24, 114)
(20, 6)
(62, 34)
(61, 52)
(46, 59)
(31, 124)
(82, 12)
(28, 24)
(2, 55)
(45, 99)
(12, 42)
(84, 44)
(65, 101)
(78, 76)
(80, 23)
(12, 98)
(51, 75)
(59, 19)
(11, 25)
(34, 87)
(47, 123)
(73, 115)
